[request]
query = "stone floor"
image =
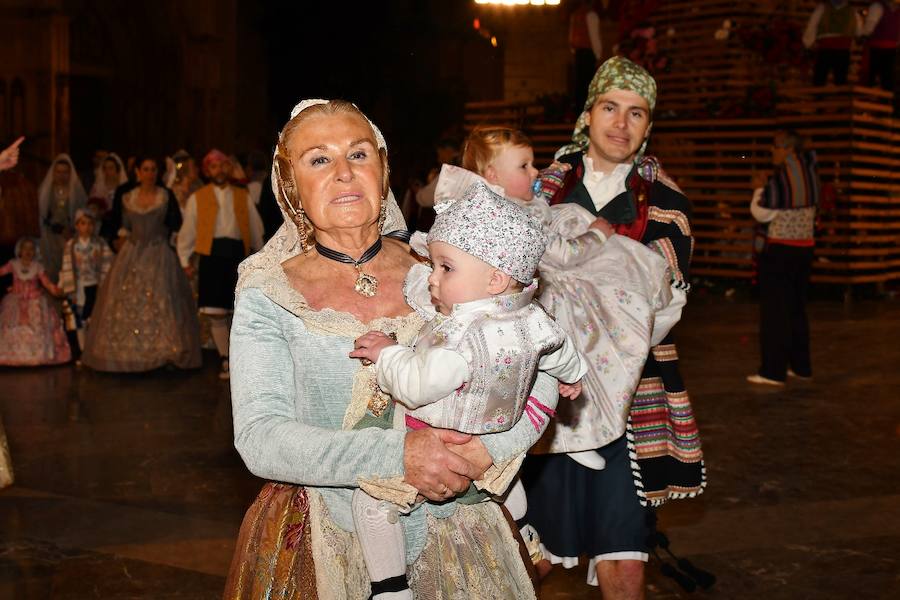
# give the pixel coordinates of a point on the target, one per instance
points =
(128, 486)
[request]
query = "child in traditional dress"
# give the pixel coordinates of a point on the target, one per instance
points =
(31, 332)
(474, 362)
(85, 262)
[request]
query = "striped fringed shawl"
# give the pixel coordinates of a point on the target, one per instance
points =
(794, 185)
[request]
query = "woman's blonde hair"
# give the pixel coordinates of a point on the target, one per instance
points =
(289, 198)
(485, 143)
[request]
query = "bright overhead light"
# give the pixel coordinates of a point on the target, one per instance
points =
(520, 2)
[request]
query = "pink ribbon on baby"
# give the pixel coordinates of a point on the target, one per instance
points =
(415, 424)
(534, 408)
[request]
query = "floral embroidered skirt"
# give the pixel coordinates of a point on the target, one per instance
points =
(273, 558)
(287, 538)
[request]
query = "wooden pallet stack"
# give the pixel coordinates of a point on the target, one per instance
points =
(715, 158)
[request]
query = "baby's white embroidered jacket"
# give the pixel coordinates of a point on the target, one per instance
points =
(471, 370)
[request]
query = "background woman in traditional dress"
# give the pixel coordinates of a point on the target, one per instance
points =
(182, 176)
(109, 176)
(145, 316)
(59, 196)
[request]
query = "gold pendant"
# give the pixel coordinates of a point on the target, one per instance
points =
(366, 284)
(378, 402)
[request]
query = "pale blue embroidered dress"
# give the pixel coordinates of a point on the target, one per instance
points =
(296, 398)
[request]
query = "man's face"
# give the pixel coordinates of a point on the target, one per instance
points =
(218, 171)
(619, 123)
(779, 151)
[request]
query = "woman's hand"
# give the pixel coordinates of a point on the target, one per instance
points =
(432, 468)
(369, 346)
(474, 452)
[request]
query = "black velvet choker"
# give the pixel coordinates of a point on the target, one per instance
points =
(366, 285)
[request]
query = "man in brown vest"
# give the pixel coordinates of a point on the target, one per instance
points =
(220, 225)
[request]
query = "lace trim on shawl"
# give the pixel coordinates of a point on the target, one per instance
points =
(499, 476)
(23, 274)
(129, 201)
(395, 490)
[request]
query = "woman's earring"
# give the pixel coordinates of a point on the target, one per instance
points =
(382, 216)
(302, 231)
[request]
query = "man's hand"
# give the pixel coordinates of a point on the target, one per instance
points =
(189, 271)
(570, 390)
(603, 226)
(369, 346)
(759, 179)
(559, 166)
(9, 158)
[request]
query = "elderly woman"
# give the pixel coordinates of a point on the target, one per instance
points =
(313, 421)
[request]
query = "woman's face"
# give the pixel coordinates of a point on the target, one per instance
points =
(26, 251)
(146, 172)
(337, 170)
(62, 173)
(110, 170)
(190, 170)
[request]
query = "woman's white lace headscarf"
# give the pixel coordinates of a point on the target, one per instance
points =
(285, 244)
(77, 196)
(100, 188)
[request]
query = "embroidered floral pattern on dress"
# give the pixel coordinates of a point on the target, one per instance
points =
(610, 300)
(500, 421)
(502, 340)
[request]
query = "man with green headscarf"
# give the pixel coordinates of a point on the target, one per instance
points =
(607, 516)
